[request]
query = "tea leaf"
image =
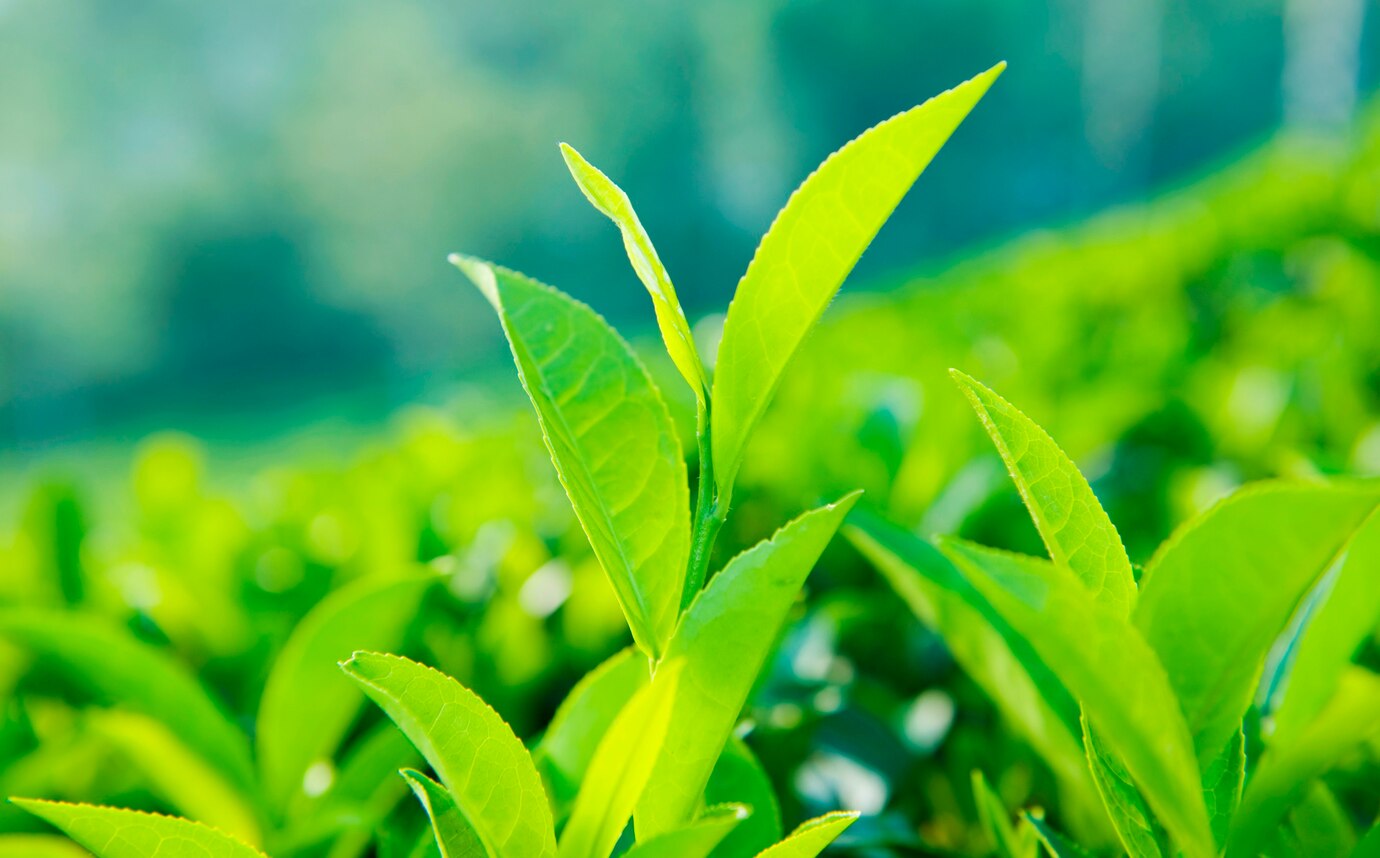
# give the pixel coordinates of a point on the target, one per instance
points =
(620, 770)
(1277, 783)
(111, 832)
(1344, 621)
(115, 665)
(1055, 843)
(738, 778)
(1320, 823)
(1223, 780)
(307, 706)
(808, 251)
(610, 438)
(695, 840)
(39, 846)
(996, 821)
(1106, 664)
(1075, 529)
(724, 640)
(177, 775)
(608, 198)
(564, 752)
(1135, 823)
(482, 764)
(1028, 694)
(812, 836)
(455, 837)
(1218, 594)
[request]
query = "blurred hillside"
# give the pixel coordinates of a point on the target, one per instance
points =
(214, 212)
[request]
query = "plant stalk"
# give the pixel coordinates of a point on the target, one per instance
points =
(710, 513)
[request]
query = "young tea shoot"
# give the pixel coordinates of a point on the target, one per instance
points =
(648, 737)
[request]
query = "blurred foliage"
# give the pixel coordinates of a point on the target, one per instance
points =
(1223, 332)
(257, 201)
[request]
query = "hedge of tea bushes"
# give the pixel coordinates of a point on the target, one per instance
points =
(1223, 332)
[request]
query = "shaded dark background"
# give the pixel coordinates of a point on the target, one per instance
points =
(236, 215)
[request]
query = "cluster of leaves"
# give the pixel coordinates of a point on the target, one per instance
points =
(1199, 702)
(625, 744)
(1221, 333)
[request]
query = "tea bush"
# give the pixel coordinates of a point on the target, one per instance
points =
(161, 657)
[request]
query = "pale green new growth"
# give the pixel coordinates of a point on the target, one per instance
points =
(1131, 816)
(1281, 776)
(564, 753)
(738, 778)
(1029, 695)
(111, 832)
(118, 666)
(812, 836)
(1055, 843)
(619, 771)
(367, 614)
(1104, 661)
(39, 846)
(455, 837)
(482, 764)
(1346, 619)
(1218, 594)
(694, 840)
(611, 439)
(1075, 529)
(808, 251)
(182, 778)
(724, 640)
(670, 318)
(996, 821)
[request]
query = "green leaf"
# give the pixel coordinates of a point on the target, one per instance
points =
(483, 765)
(118, 667)
(1106, 664)
(608, 198)
(1223, 780)
(1140, 833)
(1218, 594)
(307, 706)
(180, 777)
(1028, 694)
(724, 640)
(738, 778)
(1056, 844)
(39, 846)
(611, 439)
(694, 840)
(1075, 529)
(111, 832)
(1346, 619)
(812, 836)
(996, 821)
(1320, 823)
(455, 837)
(620, 769)
(1284, 772)
(564, 752)
(808, 251)
(360, 795)
(1369, 845)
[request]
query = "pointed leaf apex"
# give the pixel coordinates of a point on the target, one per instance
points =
(481, 274)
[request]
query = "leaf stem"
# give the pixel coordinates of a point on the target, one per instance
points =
(710, 513)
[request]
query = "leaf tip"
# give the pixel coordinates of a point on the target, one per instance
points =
(481, 274)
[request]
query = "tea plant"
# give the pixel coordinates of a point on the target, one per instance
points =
(649, 735)
(1200, 700)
